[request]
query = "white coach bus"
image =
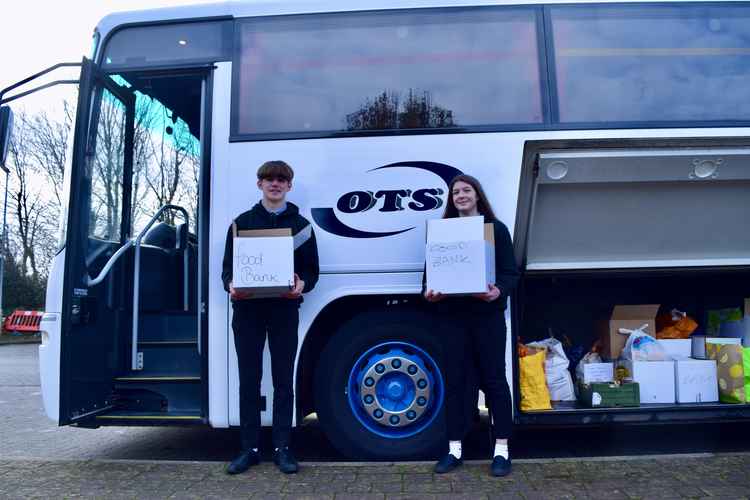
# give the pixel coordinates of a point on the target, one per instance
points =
(612, 138)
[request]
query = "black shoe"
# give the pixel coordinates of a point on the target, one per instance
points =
(285, 460)
(500, 466)
(244, 461)
(447, 464)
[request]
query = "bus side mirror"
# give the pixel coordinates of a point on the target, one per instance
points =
(6, 127)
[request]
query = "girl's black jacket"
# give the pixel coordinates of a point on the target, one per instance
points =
(305, 257)
(506, 277)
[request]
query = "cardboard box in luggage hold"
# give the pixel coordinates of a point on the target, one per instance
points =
(263, 261)
(677, 348)
(598, 373)
(695, 381)
(630, 317)
(609, 395)
(460, 255)
(655, 379)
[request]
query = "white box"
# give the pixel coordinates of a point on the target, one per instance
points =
(263, 262)
(655, 380)
(460, 255)
(696, 381)
(677, 348)
(598, 372)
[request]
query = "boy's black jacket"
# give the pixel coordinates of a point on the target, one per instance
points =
(305, 257)
(506, 276)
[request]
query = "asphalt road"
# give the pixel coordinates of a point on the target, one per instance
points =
(28, 434)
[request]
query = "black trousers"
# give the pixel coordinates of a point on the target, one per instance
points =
(476, 336)
(252, 321)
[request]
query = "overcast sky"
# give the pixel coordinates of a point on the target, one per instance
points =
(35, 34)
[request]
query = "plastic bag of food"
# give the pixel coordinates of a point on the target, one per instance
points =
(730, 371)
(642, 346)
(675, 325)
(559, 381)
(715, 317)
(534, 392)
(574, 352)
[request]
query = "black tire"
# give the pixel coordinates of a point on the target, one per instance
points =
(348, 435)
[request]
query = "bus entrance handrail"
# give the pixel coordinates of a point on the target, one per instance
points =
(134, 364)
(136, 242)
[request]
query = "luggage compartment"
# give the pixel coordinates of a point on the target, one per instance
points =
(629, 222)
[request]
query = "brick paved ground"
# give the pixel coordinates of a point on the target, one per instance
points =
(709, 476)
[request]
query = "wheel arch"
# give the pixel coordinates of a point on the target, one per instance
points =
(335, 314)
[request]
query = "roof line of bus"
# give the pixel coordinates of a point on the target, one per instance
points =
(282, 7)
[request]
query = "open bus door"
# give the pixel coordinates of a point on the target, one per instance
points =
(98, 219)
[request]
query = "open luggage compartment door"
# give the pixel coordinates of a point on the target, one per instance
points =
(640, 208)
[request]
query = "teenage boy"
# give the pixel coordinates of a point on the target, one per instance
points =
(253, 318)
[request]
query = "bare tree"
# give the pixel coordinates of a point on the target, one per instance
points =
(380, 113)
(419, 112)
(175, 159)
(386, 112)
(29, 225)
(146, 119)
(47, 144)
(107, 170)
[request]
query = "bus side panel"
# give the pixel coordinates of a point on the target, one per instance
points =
(327, 171)
(368, 198)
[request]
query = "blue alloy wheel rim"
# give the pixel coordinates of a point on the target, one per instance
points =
(395, 390)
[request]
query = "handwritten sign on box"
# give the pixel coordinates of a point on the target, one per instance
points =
(263, 262)
(460, 255)
(598, 373)
(696, 381)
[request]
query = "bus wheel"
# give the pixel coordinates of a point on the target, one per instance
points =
(379, 388)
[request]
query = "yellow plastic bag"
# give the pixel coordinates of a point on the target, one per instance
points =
(534, 391)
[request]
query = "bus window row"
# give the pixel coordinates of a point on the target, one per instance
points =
(479, 68)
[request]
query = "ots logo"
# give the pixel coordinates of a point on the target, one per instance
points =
(393, 200)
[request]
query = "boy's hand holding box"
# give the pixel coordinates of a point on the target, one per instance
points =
(263, 261)
(460, 255)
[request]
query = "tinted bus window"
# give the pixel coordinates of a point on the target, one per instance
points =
(652, 63)
(169, 44)
(387, 70)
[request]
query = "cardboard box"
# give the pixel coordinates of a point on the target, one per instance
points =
(460, 255)
(602, 395)
(598, 373)
(630, 317)
(263, 261)
(695, 381)
(677, 348)
(655, 380)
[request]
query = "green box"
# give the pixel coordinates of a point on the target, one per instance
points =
(608, 395)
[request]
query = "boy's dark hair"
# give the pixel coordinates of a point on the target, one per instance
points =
(483, 204)
(276, 168)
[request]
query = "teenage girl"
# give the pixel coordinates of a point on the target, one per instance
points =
(474, 328)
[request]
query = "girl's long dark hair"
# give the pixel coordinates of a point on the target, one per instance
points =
(483, 205)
